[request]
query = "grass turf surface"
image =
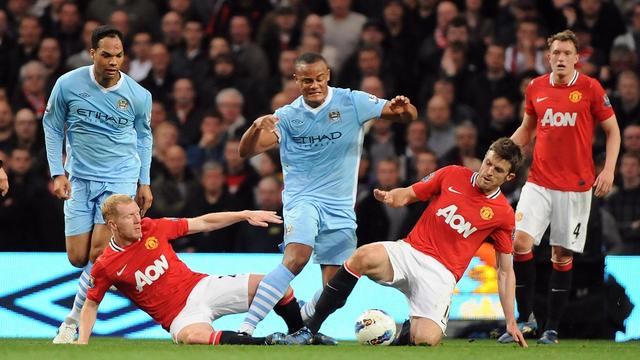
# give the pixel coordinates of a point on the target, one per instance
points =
(117, 348)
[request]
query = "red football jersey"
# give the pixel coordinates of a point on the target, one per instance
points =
(566, 117)
(148, 271)
(459, 218)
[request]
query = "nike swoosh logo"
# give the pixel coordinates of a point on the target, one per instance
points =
(454, 190)
(121, 270)
(558, 290)
(541, 99)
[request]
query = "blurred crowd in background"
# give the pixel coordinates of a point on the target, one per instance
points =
(213, 66)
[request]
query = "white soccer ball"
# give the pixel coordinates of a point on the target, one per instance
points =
(375, 327)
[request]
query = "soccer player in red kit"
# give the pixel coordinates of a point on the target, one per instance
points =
(561, 109)
(141, 263)
(466, 209)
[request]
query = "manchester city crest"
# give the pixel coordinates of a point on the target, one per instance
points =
(123, 104)
(334, 115)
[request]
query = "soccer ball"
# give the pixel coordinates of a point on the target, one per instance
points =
(375, 327)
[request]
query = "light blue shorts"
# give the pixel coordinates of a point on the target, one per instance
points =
(331, 233)
(83, 210)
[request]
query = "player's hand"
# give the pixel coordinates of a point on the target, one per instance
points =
(400, 104)
(62, 187)
(603, 183)
(390, 198)
(381, 195)
(262, 218)
(144, 198)
(4, 182)
(266, 122)
(512, 329)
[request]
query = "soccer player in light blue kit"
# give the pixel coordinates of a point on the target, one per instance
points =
(107, 119)
(320, 136)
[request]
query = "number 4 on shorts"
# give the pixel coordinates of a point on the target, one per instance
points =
(576, 231)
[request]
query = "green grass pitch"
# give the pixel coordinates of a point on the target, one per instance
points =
(117, 348)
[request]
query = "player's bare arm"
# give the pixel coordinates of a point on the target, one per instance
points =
(604, 181)
(144, 198)
(507, 293)
(525, 132)
(87, 320)
(396, 198)
(260, 137)
(215, 221)
(399, 109)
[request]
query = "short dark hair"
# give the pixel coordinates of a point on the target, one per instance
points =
(104, 31)
(309, 58)
(506, 149)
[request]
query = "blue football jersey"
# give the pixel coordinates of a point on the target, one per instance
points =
(320, 147)
(108, 131)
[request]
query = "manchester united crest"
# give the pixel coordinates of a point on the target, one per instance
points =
(151, 243)
(486, 213)
(575, 96)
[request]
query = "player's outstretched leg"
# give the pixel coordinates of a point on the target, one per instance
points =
(274, 285)
(201, 333)
(334, 296)
(68, 330)
(289, 311)
(271, 289)
(239, 338)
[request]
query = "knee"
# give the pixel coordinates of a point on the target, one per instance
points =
(426, 338)
(77, 260)
(363, 259)
(523, 243)
(295, 262)
(191, 337)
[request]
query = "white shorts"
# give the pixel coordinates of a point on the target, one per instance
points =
(426, 283)
(569, 211)
(213, 297)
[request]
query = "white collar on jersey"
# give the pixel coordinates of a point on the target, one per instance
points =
(326, 102)
(572, 82)
(104, 89)
(474, 177)
(114, 245)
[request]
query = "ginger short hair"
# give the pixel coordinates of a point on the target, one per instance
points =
(110, 206)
